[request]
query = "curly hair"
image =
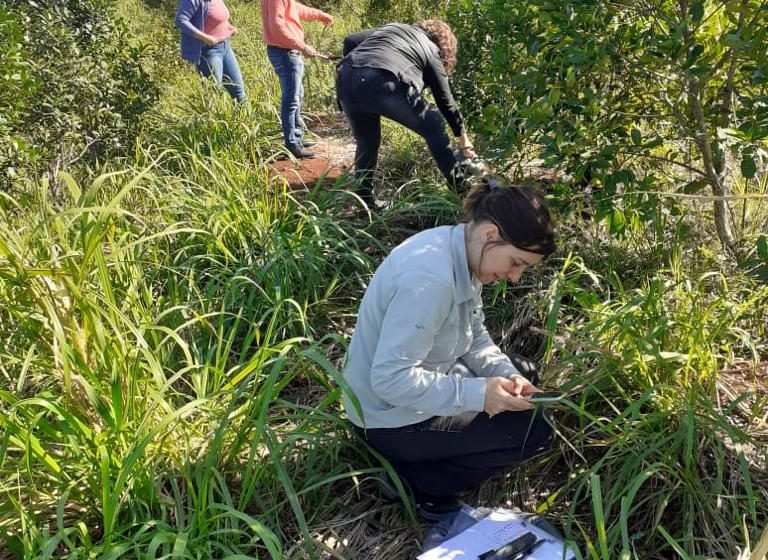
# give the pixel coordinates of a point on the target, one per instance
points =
(440, 34)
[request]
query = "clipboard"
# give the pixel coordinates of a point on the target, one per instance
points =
(499, 527)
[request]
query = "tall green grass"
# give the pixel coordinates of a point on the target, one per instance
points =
(661, 462)
(149, 357)
(171, 327)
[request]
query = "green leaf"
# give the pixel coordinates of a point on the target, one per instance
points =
(748, 166)
(694, 186)
(570, 76)
(617, 221)
(733, 40)
(697, 11)
(597, 510)
(655, 143)
(762, 247)
(637, 137)
(554, 95)
(695, 53)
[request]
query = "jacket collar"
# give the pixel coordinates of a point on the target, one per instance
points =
(465, 289)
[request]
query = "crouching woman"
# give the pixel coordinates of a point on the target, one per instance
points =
(429, 388)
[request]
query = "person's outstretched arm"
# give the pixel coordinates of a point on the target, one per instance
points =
(436, 78)
(312, 14)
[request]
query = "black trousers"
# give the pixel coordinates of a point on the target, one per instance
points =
(444, 456)
(367, 94)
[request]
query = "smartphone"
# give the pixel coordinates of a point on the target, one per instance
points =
(545, 397)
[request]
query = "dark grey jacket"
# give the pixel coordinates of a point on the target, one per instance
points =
(407, 52)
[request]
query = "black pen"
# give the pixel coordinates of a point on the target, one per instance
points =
(515, 548)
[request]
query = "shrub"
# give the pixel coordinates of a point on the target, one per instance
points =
(72, 86)
(627, 99)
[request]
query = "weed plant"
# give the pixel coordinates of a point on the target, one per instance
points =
(653, 447)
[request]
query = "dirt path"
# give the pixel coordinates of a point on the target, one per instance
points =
(334, 155)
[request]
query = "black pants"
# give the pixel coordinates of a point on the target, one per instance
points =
(367, 94)
(444, 456)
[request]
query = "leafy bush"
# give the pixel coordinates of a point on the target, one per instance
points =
(72, 85)
(610, 91)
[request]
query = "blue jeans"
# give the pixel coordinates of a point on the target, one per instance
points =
(219, 61)
(289, 67)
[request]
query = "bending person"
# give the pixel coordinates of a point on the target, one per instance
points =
(205, 42)
(436, 396)
(383, 73)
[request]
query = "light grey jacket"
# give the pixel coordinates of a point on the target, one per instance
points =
(421, 314)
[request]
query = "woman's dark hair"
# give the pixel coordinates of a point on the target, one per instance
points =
(519, 212)
(440, 34)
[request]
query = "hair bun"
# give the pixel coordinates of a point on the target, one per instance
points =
(519, 212)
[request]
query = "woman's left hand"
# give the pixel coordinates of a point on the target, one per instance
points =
(465, 144)
(499, 397)
(233, 29)
(521, 387)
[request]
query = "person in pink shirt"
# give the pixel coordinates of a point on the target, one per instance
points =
(284, 37)
(205, 34)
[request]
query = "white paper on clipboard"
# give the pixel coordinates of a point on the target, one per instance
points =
(491, 532)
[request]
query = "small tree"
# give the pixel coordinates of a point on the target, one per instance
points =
(612, 89)
(72, 85)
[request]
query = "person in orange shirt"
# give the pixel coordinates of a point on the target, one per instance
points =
(284, 37)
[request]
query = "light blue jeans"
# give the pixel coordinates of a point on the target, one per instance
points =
(289, 67)
(219, 61)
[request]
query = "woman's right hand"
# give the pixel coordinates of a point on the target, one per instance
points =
(499, 397)
(466, 147)
(209, 40)
(309, 51)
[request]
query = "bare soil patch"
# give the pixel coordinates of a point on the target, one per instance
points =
(334, 155)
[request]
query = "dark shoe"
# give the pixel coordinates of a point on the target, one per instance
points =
(451, 525)
(434, 512)
(300, 153)
(367, 196)
(308, 143)
(438, 532)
